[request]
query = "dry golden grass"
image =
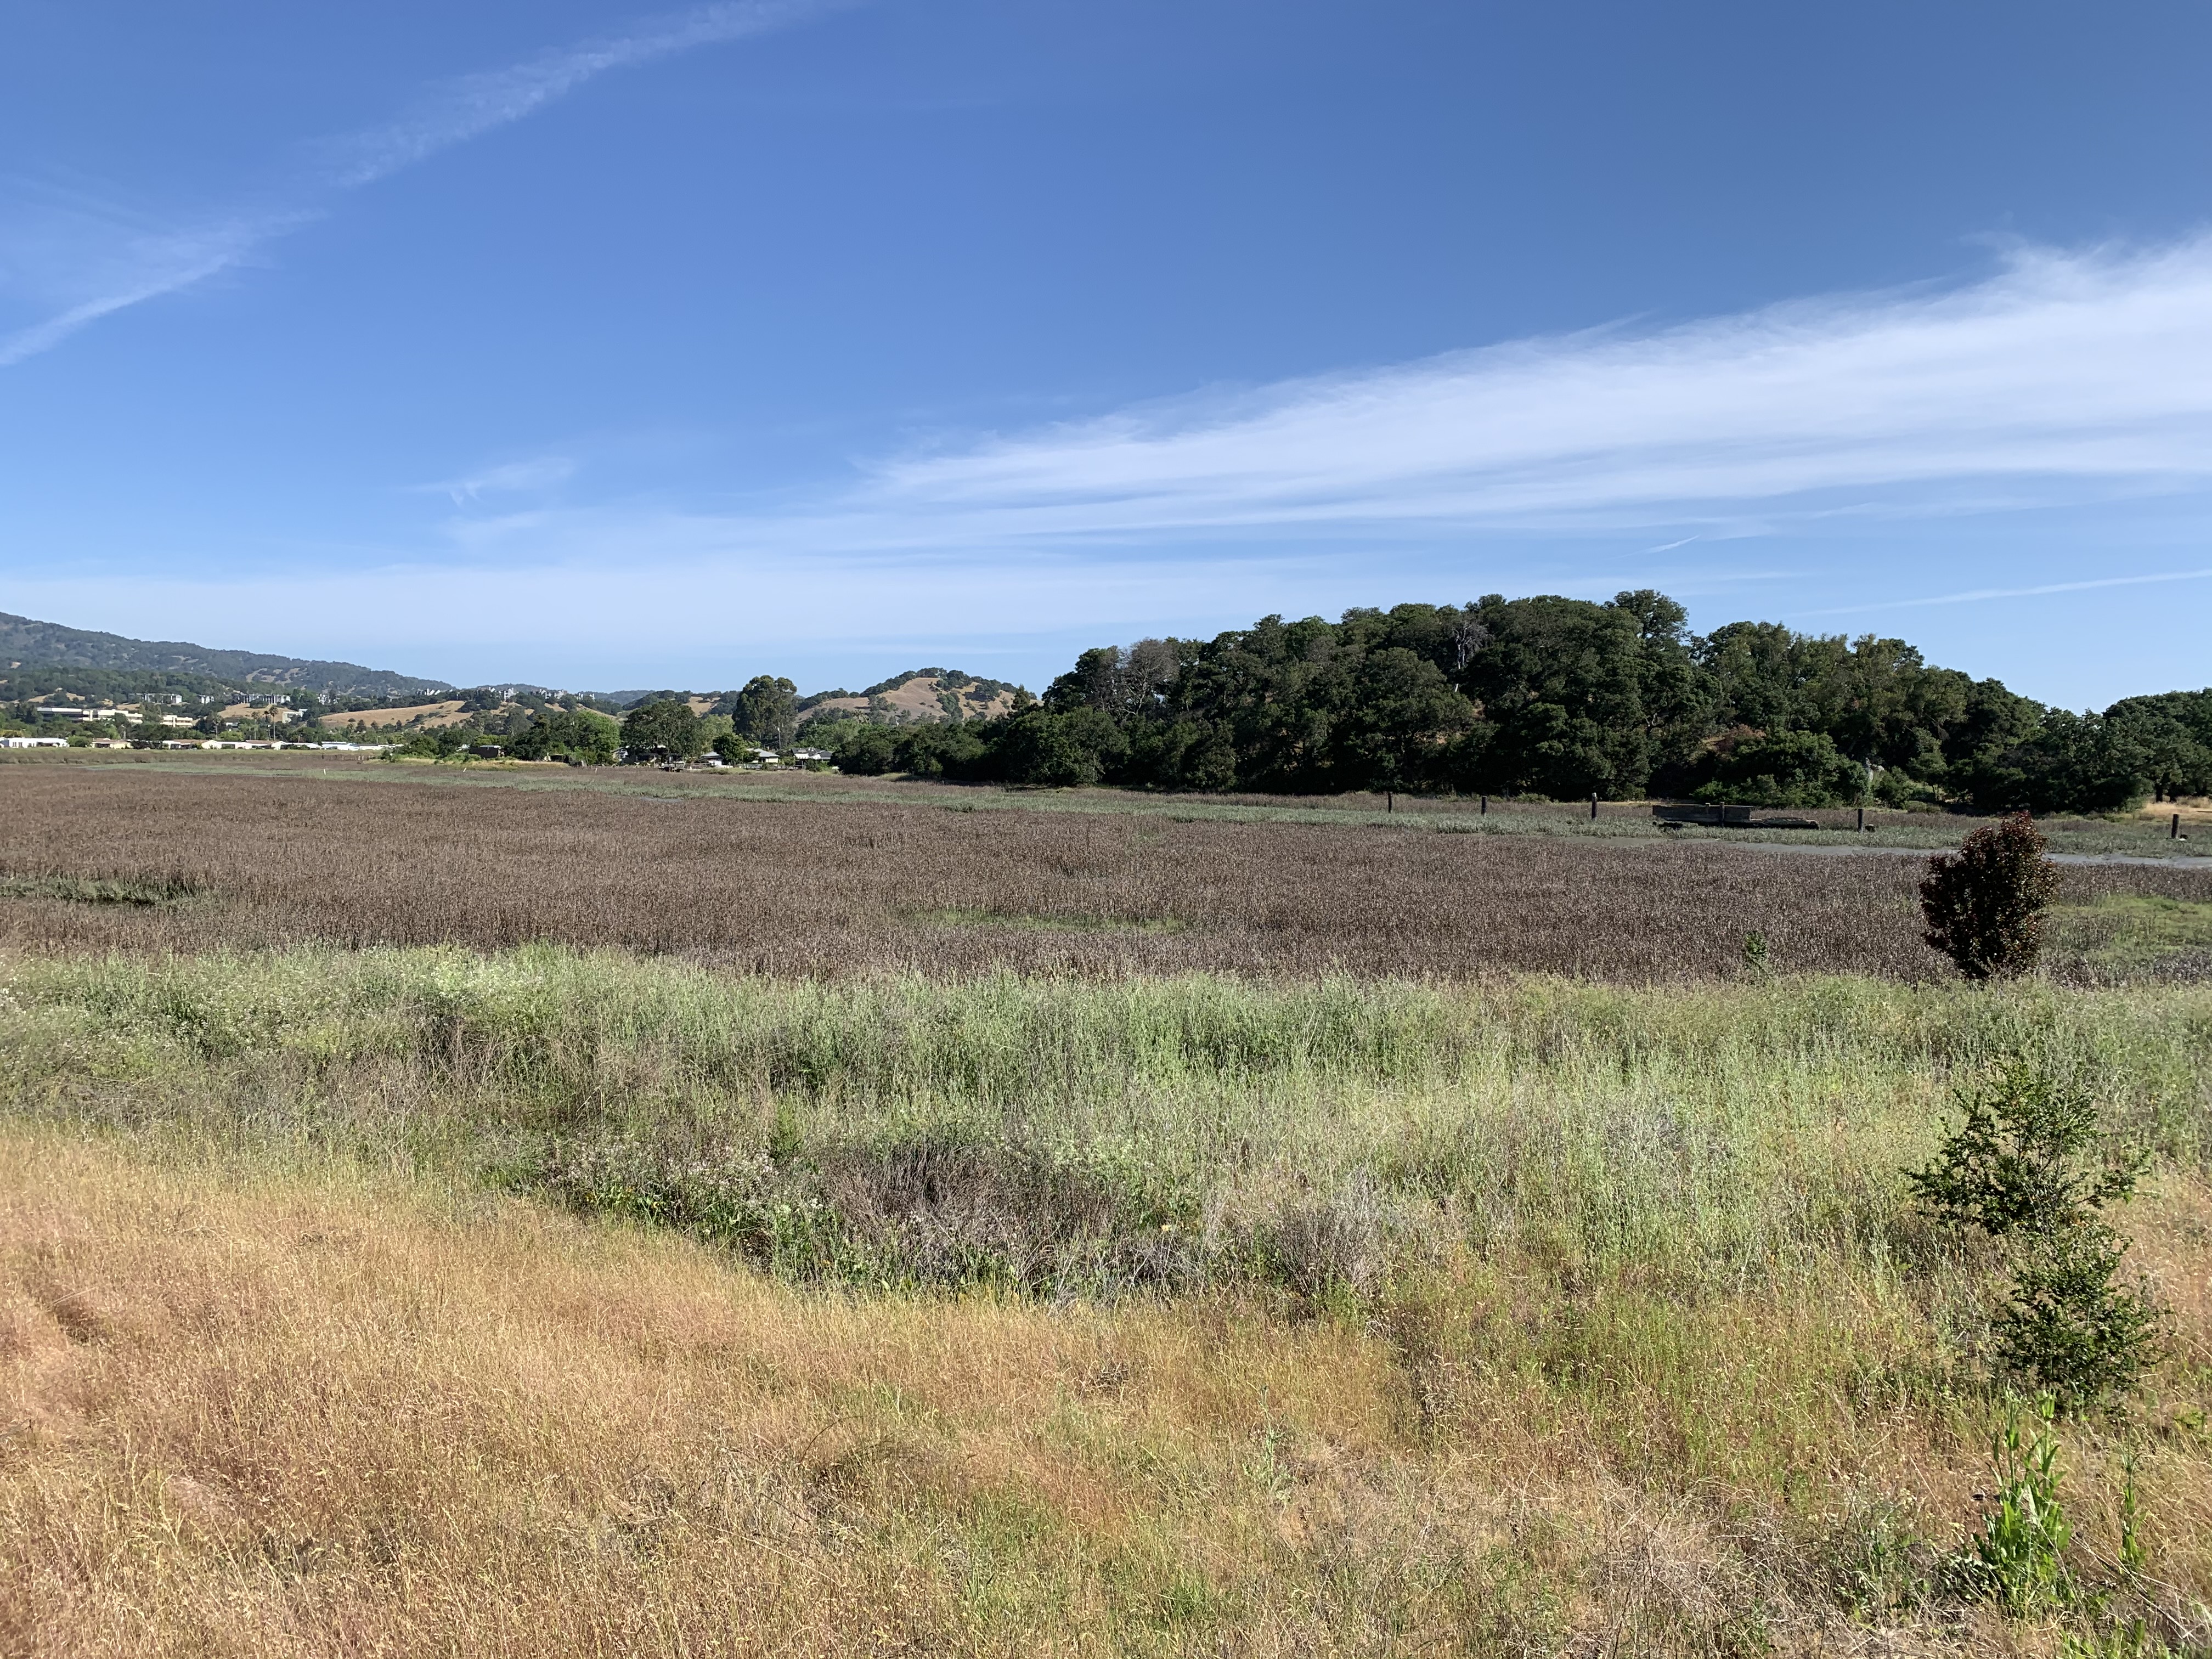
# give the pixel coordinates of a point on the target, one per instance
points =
(2195, 813)
(808, 887)
(246, 1416)
(451, 712)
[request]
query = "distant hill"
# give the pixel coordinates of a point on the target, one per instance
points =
(39, 658)
(918, 697)
(26, 644)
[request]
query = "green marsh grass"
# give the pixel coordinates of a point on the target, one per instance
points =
(133, 891)
(1339, 1131)
(2120, 934)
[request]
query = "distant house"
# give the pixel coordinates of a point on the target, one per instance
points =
(33, 743)
(488, 751)
(809, 754)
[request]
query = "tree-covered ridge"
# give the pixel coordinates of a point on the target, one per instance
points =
(1564, 698)
(50, 650)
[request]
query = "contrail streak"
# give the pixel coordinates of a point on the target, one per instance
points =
(1973, 594)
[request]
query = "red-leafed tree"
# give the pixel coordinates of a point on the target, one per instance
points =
(1984, 903)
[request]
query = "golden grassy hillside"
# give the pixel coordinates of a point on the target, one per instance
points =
(919, 698)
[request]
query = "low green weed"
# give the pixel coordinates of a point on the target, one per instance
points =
(1756, 960)
(2030, 1156)
(137, 891)
(2019, 1555)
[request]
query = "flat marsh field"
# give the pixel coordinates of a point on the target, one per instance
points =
(819, 875)
(533, 1215)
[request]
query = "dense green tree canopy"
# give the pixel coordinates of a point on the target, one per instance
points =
(766, 711)
(576, 734)
(667, 729)
(1563, 698)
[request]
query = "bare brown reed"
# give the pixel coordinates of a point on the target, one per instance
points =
(272, 857)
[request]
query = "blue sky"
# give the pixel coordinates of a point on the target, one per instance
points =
(594, 345)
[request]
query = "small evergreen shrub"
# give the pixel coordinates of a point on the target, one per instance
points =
(2071, 1327)
(1984, 903)
(2030, 1156)
(2030, 1166)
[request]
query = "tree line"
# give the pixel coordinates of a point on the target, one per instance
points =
(661, 725)
(1559, 698)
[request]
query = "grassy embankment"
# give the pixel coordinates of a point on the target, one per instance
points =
(1183, 1315)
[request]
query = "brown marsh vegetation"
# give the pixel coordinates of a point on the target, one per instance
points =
(272, 859)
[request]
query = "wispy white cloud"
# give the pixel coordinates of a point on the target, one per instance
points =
(2063, 377)
(2083, 368)
(472, 105)
(2070, 372)
(541, 473)
(79, 258)
(117, 271)
(1976, 594)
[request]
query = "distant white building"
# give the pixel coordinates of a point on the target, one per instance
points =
(33, 743)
